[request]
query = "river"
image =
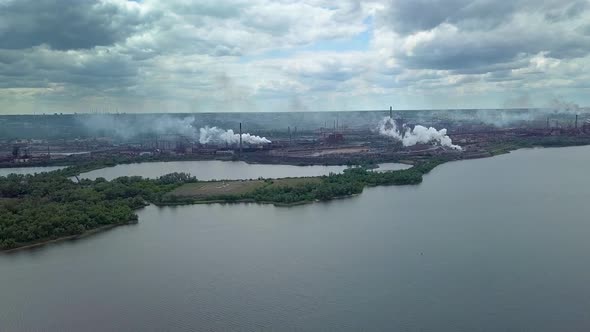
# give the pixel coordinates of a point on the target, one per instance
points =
(28, 170)
(220, 170)
(497, 244)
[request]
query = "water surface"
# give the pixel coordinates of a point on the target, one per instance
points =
(217, 170)
(28, 170)
(498, 244)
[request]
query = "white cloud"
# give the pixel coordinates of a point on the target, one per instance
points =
(266, 55)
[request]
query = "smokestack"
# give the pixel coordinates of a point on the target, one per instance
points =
(391, 112)
(289, 130)
(240, 139)
(576, 126)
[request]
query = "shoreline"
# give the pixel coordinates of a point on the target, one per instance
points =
(86, 234)
(75, 167)
(234, 201)
(243, 201)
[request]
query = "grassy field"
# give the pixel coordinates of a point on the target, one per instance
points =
(205, 190)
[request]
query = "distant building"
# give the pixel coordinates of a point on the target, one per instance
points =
(335, 138)
(225, 152)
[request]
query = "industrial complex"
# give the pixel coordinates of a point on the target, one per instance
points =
(400, 138)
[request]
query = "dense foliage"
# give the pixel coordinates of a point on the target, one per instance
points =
(350, 182)
(35, 208)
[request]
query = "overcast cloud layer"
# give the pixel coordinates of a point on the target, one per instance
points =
(262, 55)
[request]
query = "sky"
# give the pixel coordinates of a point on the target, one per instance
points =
(277, 55)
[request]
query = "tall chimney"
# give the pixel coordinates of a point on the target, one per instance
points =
(576, 122)
(240, 139)
(391, 112)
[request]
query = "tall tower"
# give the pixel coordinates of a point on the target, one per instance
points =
(240, 139)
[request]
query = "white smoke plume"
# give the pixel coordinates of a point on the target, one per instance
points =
(419, 134)
(214, 135)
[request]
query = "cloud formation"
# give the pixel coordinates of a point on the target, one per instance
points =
(270, 55)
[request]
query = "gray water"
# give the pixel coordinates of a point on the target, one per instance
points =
(497, 244)
(28, 170)
(219, 170)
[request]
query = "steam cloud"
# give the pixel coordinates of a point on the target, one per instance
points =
(419, 134)
(216, 135)
(162, 125)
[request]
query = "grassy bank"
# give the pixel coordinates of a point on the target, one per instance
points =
(294, 191)
(46, 207)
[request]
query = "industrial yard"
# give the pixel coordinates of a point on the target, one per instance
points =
(338, 142)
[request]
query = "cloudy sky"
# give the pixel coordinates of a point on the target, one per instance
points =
(280, 55)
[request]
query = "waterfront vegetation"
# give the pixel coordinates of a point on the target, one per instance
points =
(506, 146)
(47, 206)
(297, 190)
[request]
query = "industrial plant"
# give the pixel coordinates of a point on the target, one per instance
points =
(378, 136)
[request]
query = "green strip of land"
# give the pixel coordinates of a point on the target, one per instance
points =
(41, 208)
(292, 191)
(48, 206)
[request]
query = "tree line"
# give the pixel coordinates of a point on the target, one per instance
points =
(351, 182)
(46, 206)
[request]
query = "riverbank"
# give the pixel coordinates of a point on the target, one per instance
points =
(295, 191)
(86, 234)
(60, 206)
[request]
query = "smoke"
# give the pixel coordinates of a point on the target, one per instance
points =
(233, 96)
(174, 125)
(214, 135)
(137, 126)
(128, 127)
(559, 105)
(520, 101)
(296, 104)
(419, 134)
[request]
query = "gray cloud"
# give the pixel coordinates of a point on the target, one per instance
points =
(41, 67)
(409, 16)
(65, 24)
(210, 55)
(486, 35)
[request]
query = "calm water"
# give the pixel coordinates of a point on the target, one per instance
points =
(496, 244)
(28, 170)
(215, 169)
